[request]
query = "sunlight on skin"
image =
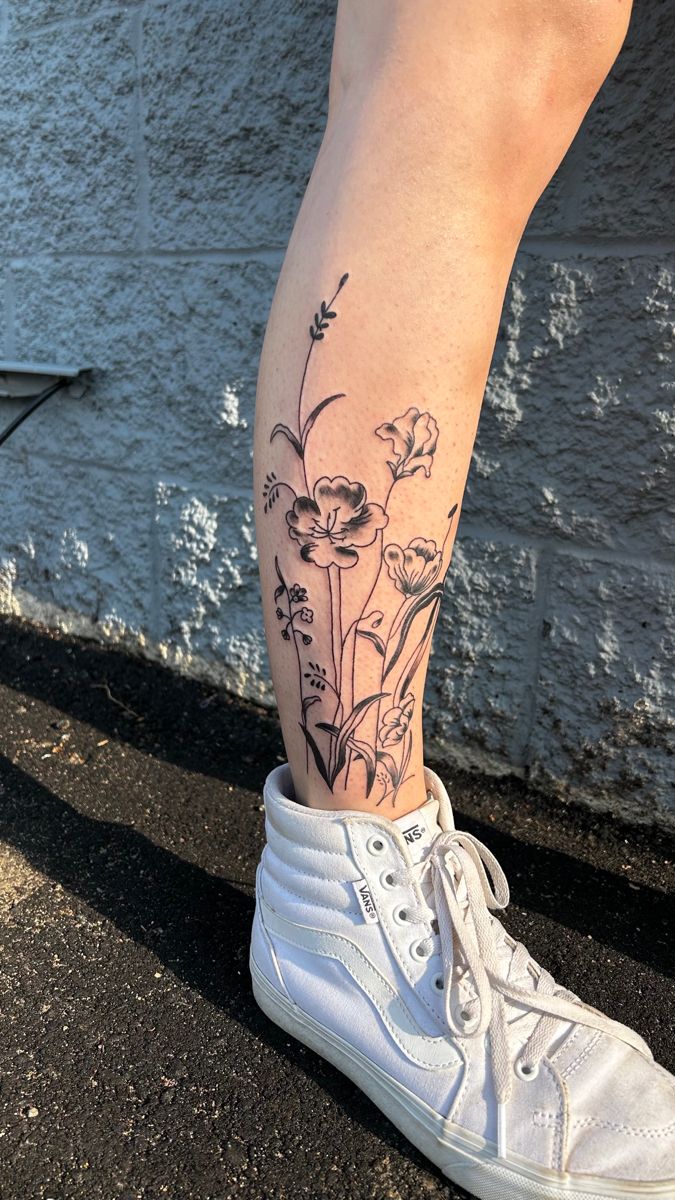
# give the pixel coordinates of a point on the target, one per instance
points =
(444, 127)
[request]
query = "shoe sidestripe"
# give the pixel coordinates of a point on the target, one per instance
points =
(432, 1053)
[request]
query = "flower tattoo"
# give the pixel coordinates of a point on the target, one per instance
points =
(338, 520)
(414, 437)
(395, 722)
(414, 569)
(357, 694)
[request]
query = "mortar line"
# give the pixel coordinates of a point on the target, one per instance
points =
(153, 476)
(155, 596)
(142, 223)
(547, 245)
(237, 254)
(581, 550)
(534, 650)
(105, 10)
(9, 313)
(559, 246)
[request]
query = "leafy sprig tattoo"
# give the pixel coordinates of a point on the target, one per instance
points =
(330, 522)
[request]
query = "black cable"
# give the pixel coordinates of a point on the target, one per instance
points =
(49, 391)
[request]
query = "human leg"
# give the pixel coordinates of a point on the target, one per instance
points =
(445, 124)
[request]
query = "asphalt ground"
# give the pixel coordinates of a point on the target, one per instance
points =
(134, 1062)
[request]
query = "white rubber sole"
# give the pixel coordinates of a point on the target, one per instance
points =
(463, 1157)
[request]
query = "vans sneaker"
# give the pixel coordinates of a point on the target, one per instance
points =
(375, 943)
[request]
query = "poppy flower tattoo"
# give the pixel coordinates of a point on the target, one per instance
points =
(339, 519)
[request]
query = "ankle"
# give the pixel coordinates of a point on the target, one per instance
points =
(382, 800)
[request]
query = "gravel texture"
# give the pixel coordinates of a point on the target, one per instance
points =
(135, 1063)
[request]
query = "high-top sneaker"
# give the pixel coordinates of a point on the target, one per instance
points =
(375, 943)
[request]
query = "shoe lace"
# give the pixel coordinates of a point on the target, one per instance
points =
(467, 886)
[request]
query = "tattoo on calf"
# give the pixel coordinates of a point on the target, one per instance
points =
(330, 521)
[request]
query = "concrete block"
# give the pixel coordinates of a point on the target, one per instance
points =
(75, 548)
(577, 438)
(478, 695)
(604, 728)
(211, 622)
(625, 177)
(66, 139)
(175, 346)
(235, 101)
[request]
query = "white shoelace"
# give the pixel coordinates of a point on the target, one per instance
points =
(468, 884)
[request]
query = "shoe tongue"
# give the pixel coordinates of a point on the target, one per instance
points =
(419, 828)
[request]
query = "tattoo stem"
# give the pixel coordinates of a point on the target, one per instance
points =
(297, 653)
(304, 375)
(335, 588)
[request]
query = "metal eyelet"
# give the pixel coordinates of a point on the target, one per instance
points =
(388, 880)
(419, 952)
(438, 983)
(376, 845)
(400, 914)
(525, 1071)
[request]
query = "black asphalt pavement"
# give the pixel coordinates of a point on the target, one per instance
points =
(134, 1063)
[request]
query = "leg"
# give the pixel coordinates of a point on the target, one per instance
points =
(375, 941)
(445, 124)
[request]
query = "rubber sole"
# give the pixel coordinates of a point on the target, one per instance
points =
(463, 1157)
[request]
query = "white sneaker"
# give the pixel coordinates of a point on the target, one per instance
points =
(373, 943)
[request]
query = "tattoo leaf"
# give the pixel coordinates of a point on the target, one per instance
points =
(404, 685)
(374, 638)
(389, 763)
(428, 598)
(307, 702)
(318, 757)
(364, 751)
(353, 721)
(288, 433)
(312, 418)
(278, 591)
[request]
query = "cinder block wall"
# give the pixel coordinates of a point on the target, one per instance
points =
(152, 158)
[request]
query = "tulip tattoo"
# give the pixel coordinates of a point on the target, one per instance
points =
(329, 523)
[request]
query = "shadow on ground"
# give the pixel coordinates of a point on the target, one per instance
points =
(132, 799)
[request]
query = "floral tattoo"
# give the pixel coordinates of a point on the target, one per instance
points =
(330, 521)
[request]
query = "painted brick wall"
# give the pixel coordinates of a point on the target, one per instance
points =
(152, 158)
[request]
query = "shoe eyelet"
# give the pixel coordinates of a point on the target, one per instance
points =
(525, 1071)
(400, 914)
(419, 952)
(438, 983)
(388, 880)
(376, 845)
(463, 1016)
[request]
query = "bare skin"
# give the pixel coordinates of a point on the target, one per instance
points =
(446, 122)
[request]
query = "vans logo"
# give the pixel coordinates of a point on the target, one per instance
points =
(365, 900)
(413, 833)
